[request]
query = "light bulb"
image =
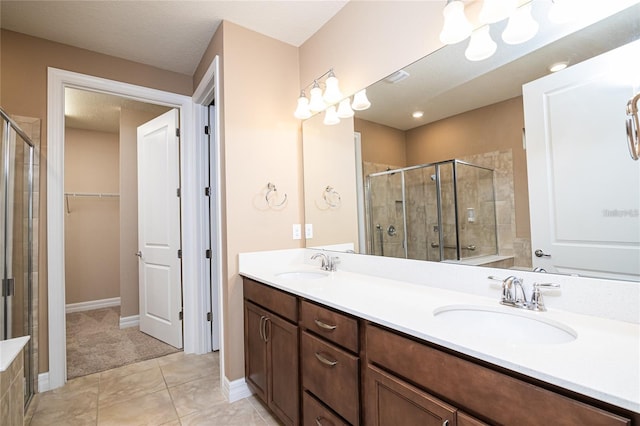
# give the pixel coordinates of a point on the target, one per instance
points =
(497, 10)
(330, 116)
(360, 101)
(481, 45)
(316, 104)
(521, 26)
(456, 26)
(344, 109)
(302, 111)
(332, 92)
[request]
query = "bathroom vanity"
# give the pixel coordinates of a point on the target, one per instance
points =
(339, 348)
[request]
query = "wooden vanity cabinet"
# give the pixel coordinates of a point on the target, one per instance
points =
(330, 365)
(271, 349)
(488, 394)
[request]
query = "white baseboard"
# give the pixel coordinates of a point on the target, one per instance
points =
(236, 390)
(132, 321)
(92, 304)
(43, 382)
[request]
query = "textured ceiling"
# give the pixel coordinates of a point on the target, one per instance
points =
(171, 35)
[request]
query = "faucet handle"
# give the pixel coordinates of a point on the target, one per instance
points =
(334, 261)
(537, 301)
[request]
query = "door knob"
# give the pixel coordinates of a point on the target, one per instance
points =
(540, 253)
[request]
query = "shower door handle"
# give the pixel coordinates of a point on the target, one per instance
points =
(8, 287)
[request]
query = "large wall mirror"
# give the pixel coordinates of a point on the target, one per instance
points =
(453, 184)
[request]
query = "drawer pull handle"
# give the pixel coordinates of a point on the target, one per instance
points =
(324, 360)
(445, 423)
(324, 325)
(320, 421)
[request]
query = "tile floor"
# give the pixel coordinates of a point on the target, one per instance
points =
(177, 389)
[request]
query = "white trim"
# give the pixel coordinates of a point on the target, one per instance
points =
(236, 390)
(92, 304)
(43, 382)
(209, 89)
(192, 279)
(132, 321)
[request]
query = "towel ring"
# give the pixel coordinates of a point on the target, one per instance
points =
(331, 197)
(633, 127)
(271, 188)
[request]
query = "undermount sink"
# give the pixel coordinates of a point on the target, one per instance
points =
(302, 275)
(510, 325)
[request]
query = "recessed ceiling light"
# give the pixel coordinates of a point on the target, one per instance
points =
(558, 66)
(417, 114)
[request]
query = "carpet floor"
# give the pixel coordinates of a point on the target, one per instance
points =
(96, 343)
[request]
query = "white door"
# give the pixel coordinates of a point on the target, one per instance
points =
(584, 188)
(159, 229)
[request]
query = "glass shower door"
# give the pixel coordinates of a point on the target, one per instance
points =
(386, 214)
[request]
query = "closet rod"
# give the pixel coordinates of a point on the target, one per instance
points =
(87, 194)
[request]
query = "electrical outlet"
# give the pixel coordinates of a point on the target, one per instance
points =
(308, 230)
(297, 231)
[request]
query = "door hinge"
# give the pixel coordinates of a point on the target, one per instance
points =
(180, 254)
(8, 287)
(209, 316)
(207, 191)
(177, 132)
(207, 253)
(206, 130)
(178, 192)
(180, 315)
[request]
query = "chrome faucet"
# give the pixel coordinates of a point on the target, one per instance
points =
(513, 293)
(329, 263)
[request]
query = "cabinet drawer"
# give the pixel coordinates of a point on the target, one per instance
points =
(284, 304)
(479, 390)
(314, 413)
(331, 374)
(339, 328)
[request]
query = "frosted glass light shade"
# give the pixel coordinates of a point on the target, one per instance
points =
(481, 45)
(316, 103)
(332, 93)
(344, 109)
(521, 26)
(302, 111)
(331, 116)
(360, 101)
(496, 10)
(456, 25)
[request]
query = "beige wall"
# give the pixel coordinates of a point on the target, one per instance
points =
(496, 127)
(91, 223)
(382, 144)
(23, 91)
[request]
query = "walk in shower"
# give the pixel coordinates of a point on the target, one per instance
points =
(16, 240)
(440, 211)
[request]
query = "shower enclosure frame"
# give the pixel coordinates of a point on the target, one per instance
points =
(437, 165)
(8, 283)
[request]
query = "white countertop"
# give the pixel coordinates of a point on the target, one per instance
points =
(9, 349)
(603, 362)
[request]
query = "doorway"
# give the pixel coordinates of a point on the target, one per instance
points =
(101, 223)
(195, 324)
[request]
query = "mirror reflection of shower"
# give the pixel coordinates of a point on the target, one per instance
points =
(439, 211)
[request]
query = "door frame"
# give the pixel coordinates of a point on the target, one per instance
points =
(192, 207)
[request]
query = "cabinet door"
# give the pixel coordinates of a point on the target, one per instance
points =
(255, 350)
(282, 361)
(391, 402)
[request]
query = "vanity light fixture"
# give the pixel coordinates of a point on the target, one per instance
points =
(456, 25)
(521, 26)
(327, 101)
(481, 46)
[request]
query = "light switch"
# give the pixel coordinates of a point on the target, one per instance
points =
(297, 231)
(308, 230)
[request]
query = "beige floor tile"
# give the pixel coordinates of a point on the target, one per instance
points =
(129, 369)
(240, 413)
(77, 399)
(46, 419)
(196, 395)
(189, 367)
(264, 412)
(121, 388)
(152, 409)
